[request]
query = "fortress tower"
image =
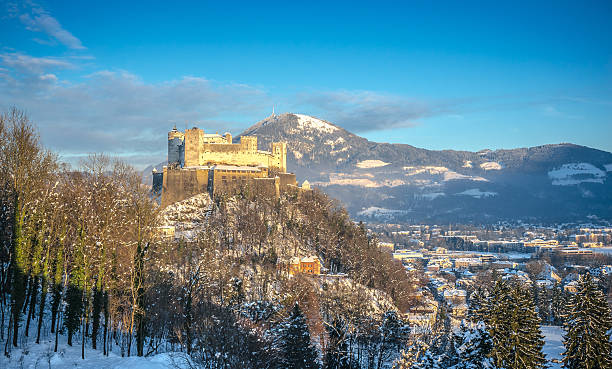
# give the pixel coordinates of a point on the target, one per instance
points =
(176, 147)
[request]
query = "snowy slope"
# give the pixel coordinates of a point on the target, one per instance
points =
(311, 123)
(576, 173)
(42, 356)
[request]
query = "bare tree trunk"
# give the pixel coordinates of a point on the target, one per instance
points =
(56, 333)
(41, 313)
(105, 297)
(33, 294)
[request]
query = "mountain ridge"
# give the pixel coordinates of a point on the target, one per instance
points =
(567, 181)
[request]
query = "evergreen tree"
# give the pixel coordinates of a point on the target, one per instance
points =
(588, 323)
(416, 348)
(428, 361)
(295, 348)
(478, 305)
(558, 303)
(337, 355)
(526, 340)
(474, 348)
(514, 326)
(392, 333)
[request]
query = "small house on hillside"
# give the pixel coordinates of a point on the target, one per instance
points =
(307, 265)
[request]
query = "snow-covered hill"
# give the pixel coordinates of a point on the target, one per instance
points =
(562, 182)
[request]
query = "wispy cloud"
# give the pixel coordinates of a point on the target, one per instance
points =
(28, 64)
(553, 111)
(362, 111)
(117, 112)
(36, 19)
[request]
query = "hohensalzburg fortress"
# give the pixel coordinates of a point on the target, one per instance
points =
(200, 162)
(196, 148)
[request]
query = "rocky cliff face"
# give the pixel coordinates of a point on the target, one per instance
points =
(397, 182)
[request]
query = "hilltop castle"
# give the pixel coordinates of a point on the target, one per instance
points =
(200, 162)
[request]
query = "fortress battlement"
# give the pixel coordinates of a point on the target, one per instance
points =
(196, 148)
(199, 162)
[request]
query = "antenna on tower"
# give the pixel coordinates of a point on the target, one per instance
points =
(272, 110)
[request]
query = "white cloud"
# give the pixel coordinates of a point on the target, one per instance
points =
(362, 111)
(37, 19)
(117, 112)
(27, 64)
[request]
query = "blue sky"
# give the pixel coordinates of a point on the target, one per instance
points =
(114, 76)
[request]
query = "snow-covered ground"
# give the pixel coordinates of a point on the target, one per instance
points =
(576, 173)
(447, 174)
(432, 195)
(491, 165)
(553, 344)
(371, 164)
(308, 122)
(359, 179)
(42, 356)
(377, 212)
(477, 193)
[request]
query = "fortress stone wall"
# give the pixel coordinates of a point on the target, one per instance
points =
(198, 148)
(200, 162)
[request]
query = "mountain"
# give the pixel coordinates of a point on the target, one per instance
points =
(400, 182)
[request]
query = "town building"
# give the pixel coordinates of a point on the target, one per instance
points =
(306, 265)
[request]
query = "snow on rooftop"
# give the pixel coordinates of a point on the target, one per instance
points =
(308, 122)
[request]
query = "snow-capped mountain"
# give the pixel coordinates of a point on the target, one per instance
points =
(562, 182)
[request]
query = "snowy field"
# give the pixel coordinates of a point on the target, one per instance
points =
(41, 356)
(381, 213)
(576, 173)
(553, 346)
(477, 193)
